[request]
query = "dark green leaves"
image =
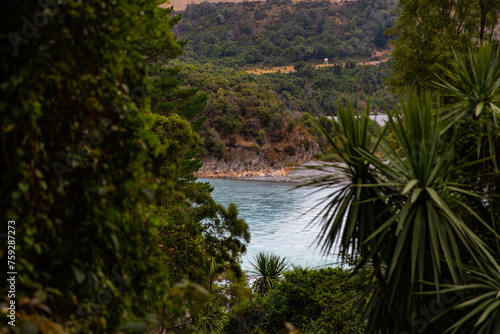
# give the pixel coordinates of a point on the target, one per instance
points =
(394, 207)
(473, 83)
(268, 269)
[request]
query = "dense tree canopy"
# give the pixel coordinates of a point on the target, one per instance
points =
(284, 32)
(326, 300)
(73, 151)
(98, 187)
(427, 31)
(102, 133)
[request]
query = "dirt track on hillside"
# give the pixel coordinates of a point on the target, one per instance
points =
(289, 69)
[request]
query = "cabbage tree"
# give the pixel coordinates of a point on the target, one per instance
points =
(268, 269)
(394, 208)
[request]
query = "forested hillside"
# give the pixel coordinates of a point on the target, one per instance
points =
(245, 128)
(104, 227)
(257, 119)
(318, 91)
(281, 32)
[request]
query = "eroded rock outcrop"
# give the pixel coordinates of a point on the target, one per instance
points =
(246, 158)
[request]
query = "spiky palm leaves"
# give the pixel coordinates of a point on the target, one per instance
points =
(397, 213)
(353, 204)
(357, 208)
(431, 238)
(482, 300)
(474, 83)
(211, 318)
(268, 269)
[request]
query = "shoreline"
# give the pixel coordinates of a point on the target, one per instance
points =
(301, 174)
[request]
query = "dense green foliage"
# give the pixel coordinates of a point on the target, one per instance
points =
(313, 300)
(194, 229)
(264, 108)
(239, 106)
(103, 193)
(474, 117)
(200, 239)
(281, 32)
(101, 134)
(318, 91)
(407, 213)
(238, 102)
(427, 32)
(437, 44)
(73, 149)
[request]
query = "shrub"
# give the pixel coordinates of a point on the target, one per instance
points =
(229, 124)
(219, 149)
(261, 136)
(314, 300)
(75, 184)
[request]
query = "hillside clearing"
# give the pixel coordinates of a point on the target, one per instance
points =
(289, 69)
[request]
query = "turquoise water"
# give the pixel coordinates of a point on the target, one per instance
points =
(278, 217)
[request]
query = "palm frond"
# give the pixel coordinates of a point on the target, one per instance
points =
(475, 84)
(268, 268)
(348, 217)
(211, 318)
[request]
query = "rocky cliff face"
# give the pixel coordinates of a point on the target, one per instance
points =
(246, 158)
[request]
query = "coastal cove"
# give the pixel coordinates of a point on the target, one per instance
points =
(279, 216)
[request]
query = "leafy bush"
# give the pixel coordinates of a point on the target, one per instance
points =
(229, 124)
(219, 149)
(73, 141)
(261, 136)
(325, 300)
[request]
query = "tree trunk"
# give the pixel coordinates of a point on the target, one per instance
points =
(382, 285)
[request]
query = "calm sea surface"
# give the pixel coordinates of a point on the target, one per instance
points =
(278, 216)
